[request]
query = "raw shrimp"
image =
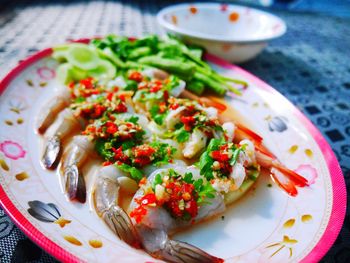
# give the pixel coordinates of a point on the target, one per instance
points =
(55, 106)
(155, 225)
(83, 101)
(73, 160)
(68, 123)
(144, 136)
(236, 132)
(106, 196)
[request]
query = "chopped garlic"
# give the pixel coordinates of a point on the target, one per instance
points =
(216, 165)
(159, 192)
(221, 186)
(182, 204)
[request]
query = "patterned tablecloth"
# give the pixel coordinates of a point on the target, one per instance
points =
(309, 65)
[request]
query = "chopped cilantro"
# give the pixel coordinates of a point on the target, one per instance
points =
(133, 119)
(135, 173)
(198, 184)
(173, 82)
(235, 156)
(188, 178)
(159, 118)
(102, 150)
(80, 100)
(163, 154)
(218, 128)
(157, 180)
(156, 116)
(172, 173)
(204, 190)
(139, 135)
(100, 99)
(214, 144)
(182, 135)
(128, 144)
(131, 85)
(206, 162)
(178, 125)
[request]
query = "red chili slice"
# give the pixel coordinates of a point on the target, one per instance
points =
(119, 155)
(106, 163)
(219, 156)
(112, 128)
(144, 151)
(142, 161)
(122, 97)
(71, 85)
(110, 96)
(120, 108)
(192, 208)
(98, 111)
(155, 87)
(136, 76)
(188, 121)
(87, 83)
(166, 95)
(174, 106)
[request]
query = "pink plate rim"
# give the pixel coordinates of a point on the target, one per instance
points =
(339, 190)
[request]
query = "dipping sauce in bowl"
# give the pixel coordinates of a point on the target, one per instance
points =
(233, 32)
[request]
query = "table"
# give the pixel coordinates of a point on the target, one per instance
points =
(309, 65)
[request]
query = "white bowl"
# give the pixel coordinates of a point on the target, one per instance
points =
(233, 32)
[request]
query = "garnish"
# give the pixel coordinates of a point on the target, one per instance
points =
(135, 173)
(181, 195)
(181, 135)
(219, 159)
(158, 114)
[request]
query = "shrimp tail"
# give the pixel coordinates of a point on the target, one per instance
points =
(261, 148)
(52, 152)
(119, 222)
(106, 197)
(157, 243)
(281, 175)
(296, 178)
(177, 251)
(285, 183)
(244, 132)
(75, 184)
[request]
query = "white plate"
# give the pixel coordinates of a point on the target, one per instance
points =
(265, 226)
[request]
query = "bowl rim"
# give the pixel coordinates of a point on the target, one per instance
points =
(204, 36)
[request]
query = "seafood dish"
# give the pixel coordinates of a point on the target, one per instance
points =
(149, 111)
